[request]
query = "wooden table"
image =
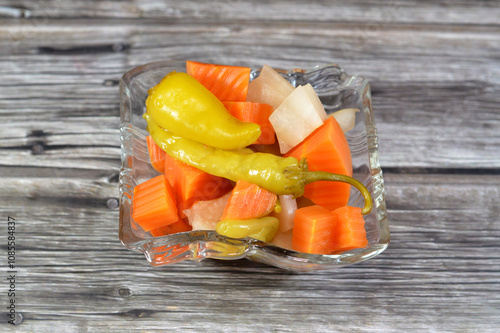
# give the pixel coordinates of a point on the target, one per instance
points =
(434, 71)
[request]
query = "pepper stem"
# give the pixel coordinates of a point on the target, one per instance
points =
(314, 176)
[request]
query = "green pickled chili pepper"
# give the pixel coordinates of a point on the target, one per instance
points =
(262, 229)
(280, 175)
(276, 174)
(183, 106)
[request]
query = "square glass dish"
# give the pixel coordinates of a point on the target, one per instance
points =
(336, 90)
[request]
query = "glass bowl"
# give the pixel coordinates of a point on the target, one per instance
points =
(336, 89)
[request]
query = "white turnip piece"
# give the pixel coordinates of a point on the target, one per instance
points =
(345, 118)
(269, 88)
(297, 117)
(204, 215)
(283, 239)
(288, 208)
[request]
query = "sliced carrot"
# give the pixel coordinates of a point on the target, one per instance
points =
(227, 83)
(350, 231)
(153, 204)
(248, 201)
(254, 113)
(156, 155)
(179, 226)
(199, 185)
(326, 149)
(191, 184)
(313, 229)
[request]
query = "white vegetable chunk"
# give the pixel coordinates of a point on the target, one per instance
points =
(318, 106)
(283, 239)
(288, 208)
(204, 215)
(269, 88)
(345, 118)
(297, 117)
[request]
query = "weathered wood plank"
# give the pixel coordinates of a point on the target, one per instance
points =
(434, 72)
(450, 12)
(449, 95)
(439, 237)
(436, 52)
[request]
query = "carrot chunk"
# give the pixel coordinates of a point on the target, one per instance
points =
(313, 228)
(191, 184)
(199, 185)
(179, 226)
(326, 149)
(153, 204)
(227, 83)
(248, 201)
(254, 113)
(350, 231)
(156, 155)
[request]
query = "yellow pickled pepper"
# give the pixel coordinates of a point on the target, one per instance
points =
(264, 228)
(184, 107)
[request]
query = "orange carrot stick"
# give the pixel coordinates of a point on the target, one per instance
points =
(156, 155)
(199, 185)
(248, 201)
(254, 113)
(313, 228)
(350, 231)
(153, 204)
(227, 83)
(326, 149)
(191, 184)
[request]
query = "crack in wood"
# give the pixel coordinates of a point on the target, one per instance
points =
(86, 49)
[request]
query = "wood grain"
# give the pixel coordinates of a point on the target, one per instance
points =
(448, 12)
(449, 95)
(433, 69)
(73, 268)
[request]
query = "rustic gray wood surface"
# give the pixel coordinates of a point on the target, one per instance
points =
(434, 69)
